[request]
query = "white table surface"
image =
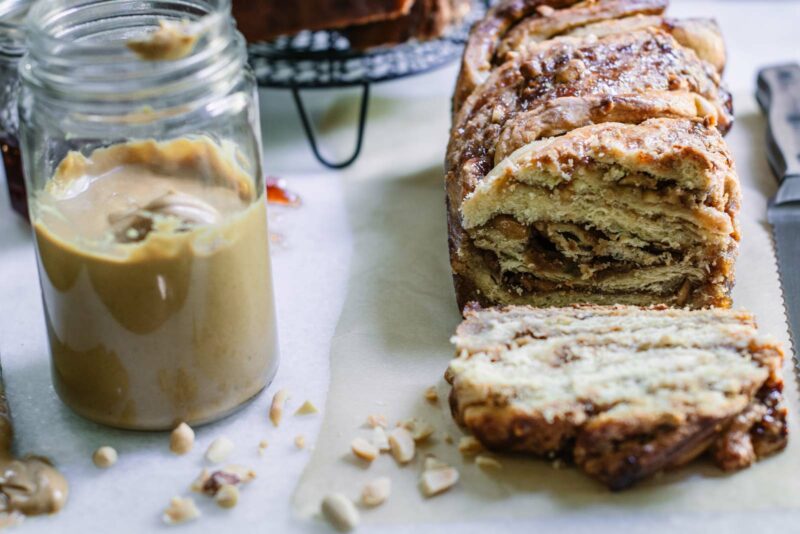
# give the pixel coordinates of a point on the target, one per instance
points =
(310, 270)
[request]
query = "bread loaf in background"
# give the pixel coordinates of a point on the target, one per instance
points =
(366, 23)
(586, 162)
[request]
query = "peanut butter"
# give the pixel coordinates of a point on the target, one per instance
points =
(29, 485)
(155, 273)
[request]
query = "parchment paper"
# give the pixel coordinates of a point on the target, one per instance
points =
(391, 343)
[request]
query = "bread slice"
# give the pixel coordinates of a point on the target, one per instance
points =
(605, 214)
(623, 392)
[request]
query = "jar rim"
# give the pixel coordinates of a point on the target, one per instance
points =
(78, 49)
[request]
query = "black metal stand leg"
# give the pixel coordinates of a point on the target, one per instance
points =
(362, 119)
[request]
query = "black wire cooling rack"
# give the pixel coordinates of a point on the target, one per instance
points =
(325, 60)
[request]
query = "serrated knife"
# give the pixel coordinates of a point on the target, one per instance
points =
(778, 95)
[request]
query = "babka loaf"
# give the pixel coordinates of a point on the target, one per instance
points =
(512, 25)
(590, 167)
(366, 23)
(623, 392)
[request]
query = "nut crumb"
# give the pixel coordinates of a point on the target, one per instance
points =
(200, 482)
(557, 464)
(431, 395)
(377, 421)
(227, 496)
(436, 481)
(230, 475)
(276, 408)
(340, 512)
(380, 439)
(469, 446)
(432, 463)
(219, 450)
(364, 449)
(375, 492)
(487, 462)
(180, 510)
(448, 439)
(307, 408)
(104, 457)
(300, 441)
(262, 447)
(402, 445)
(181, 440)
(420, 430)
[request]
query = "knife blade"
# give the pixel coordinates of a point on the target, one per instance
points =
(778, 94)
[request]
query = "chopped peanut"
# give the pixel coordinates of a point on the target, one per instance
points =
(276, 408)
(420, 430)
(436, 481)
(377, 421)
(376, 491)
(181, 440)
(306, 409)
(402, 445)
(105, 457)
(364, 449)
(227, 496)
(340, 511)
(380, 439)
(180, 511)
(219, 450)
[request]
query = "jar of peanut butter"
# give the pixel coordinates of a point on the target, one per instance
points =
(142, 153)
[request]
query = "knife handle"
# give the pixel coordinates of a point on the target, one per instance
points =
(778, 95)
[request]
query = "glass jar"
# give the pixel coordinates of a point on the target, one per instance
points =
(12, 46)
(142, 150)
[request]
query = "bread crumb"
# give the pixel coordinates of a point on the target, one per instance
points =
(431, 395)
(469, 446)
